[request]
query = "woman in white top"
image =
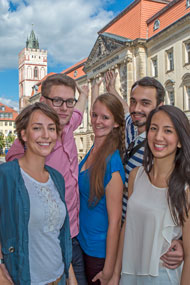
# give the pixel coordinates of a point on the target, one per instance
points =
(35, 243)
(158, 208)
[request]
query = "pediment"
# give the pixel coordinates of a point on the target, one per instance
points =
(105, 45)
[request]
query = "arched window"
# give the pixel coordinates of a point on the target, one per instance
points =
(156, 25)
(186, 89)
(170, 93)
(35, 72)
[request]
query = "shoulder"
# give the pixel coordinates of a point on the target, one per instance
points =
(9, 166)
(133, 172)
(114, 164)
(114, 158)
(74, 122)
(53, 171)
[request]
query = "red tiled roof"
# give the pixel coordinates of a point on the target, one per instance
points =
(167, 16)
(131, 22)
(76, 67)
(8, 110)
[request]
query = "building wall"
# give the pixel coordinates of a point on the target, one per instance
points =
(173, 40)
(7, 127)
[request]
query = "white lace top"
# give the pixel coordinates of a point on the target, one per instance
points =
(149, 228)
(47, 215)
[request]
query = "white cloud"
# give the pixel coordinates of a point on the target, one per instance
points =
(10, 103)
(66, 28)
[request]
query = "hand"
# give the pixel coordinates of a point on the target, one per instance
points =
(114, 280)
(174, 256)
(102, 277)
(96, 84)
(83, 90)
(110, 79)
(5, 278)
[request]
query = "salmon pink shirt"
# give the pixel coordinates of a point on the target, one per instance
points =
(64, 159)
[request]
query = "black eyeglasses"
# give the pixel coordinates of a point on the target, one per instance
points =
(58, 102)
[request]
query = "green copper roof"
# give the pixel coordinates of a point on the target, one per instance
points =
(32, 42)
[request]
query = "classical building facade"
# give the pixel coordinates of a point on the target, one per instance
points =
(148, 38)
(32, 68)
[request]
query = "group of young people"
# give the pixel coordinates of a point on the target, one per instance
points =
(59, 224)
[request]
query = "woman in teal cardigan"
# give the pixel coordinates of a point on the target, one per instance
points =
(35, 238)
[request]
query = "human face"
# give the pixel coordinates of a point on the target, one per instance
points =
(40, 135)
(162, 137)
(63, 92)
(102, 120)
(142, 101)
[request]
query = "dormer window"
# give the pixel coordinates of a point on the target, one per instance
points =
(2, 108)
(187, 3)
(75, 73)
(157, 24)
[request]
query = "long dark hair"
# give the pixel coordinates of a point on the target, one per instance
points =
(180, 176)
(114, 140)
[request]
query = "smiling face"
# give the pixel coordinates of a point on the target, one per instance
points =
(63, 92)
(40, 135)
(142, 101)
(162, 137)
(102, 120)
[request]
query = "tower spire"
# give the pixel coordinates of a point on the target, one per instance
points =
(32, 42)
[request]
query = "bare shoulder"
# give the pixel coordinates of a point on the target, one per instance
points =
(133, 173)
(132, 176)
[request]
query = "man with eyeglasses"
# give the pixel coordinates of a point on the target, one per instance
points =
(58, 91)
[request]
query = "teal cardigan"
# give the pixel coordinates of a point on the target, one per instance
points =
(14, 218)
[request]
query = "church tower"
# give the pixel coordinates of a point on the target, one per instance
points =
(32, 68)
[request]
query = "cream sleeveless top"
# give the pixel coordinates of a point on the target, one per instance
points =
(149, 228)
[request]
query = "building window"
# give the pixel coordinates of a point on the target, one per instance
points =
(75, 73)
(156, 25)
(10, 123)
(187, 52)
(1, 123)
(187, 3)
(35, 72)
(188, 96)
(154, 67)
(169, 60)
(170, 94)
(6, 123)
(186, 88)
(171, 97)
(2, 108)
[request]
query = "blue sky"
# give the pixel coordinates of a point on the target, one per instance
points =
(68, 30)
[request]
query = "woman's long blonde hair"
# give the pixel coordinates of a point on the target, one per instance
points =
(114, 140)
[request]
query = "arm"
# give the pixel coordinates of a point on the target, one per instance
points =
(5, 278)
(118, 265)
(72, 279)
(83, 96)
(16, 151)
(185, 277)
(110, 78)
(95, 90)
(114, 191)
